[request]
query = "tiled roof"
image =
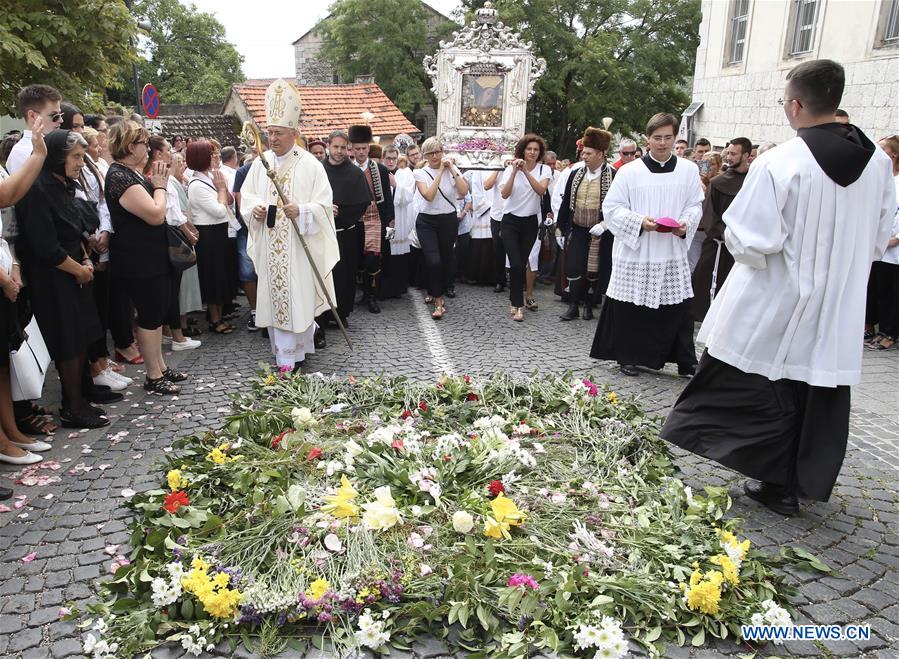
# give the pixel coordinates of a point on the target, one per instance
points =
(223, 127)
(333, 107)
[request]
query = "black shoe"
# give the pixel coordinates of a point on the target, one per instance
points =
(5, 493)
(319, 339)
(499, 288)
(298, 366)
(686, 371)
(99, 411)
(571, 313)
(174, 376)
(588, 312)
(102, 394)
(629, 369)
(251, 324)
(451, 293)
(373, 305)
(773, 497)
(84, 419)
(265, 332)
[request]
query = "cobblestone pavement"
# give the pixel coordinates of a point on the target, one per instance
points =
(69, 523)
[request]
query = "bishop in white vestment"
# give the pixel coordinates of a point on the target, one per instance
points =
(784, 336)
(289, 297)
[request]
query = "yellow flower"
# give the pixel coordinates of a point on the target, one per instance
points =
(705, 597)
(199, 564)
(504, 510)
(696, 577)
(176, 480)
(317, 589)
(715, 577)
(496, 529)
(382, 513)
(270, 379)
(217, 456)
(341, 505)
(728, 568)
(613, 398)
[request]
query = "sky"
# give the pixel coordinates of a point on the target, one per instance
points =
(264, 37)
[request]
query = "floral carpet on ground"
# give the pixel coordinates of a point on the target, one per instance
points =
(505, 516)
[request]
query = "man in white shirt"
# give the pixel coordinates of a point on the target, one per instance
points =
(784, 337)
(653, 209)
(34, 101)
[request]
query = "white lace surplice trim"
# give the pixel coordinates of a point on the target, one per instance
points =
(650, 284)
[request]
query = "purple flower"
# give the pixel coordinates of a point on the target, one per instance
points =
(324, 616)
(592, 389)
(522, 580)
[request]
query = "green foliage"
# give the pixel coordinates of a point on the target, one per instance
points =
(387, 39)
(78, 47)
(625, 59)
(191, 61)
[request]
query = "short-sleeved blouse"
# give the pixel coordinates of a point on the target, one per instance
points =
(136, 249)
(524, 202)
(441, 203)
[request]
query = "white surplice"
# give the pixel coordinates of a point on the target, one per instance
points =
(794, 304)
(650, 269)
(288, 296)
(481, 200)
(405, 210)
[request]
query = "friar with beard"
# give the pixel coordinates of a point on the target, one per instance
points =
(351, 198)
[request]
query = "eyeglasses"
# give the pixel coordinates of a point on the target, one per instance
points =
(433, 153)
(144, 142)
(781, 101)
(628, 153)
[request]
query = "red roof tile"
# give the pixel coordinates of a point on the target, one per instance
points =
(332, 107)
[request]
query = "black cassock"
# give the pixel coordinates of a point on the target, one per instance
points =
(784, 432)
(351, 196)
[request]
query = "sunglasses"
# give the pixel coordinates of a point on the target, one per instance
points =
(628, 153)
(56, 116)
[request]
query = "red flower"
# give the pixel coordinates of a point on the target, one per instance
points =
(423, 406)
(440, 385)
(276, 442)
(314, 453)
(467, 379)
(472, 396)
(446, 457)
(496, 488)
(406, 414)
(174, 500)
(397, 444)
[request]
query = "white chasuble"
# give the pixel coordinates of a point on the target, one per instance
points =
(405, 211)
(794, 304)
(288, 296)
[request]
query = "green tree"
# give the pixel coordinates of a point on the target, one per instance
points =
(190, 59)
(387, 39)
(625, 59)
(78, 47)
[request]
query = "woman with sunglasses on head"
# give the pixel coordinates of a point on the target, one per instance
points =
(439, 183)
(522, 188)
(139, 248)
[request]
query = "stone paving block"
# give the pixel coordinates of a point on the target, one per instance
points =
(66, 648)
(22, 603)
(11, 624)
(36, 653)
(12, 586)
(22, 640)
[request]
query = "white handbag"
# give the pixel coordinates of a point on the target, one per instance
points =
(28, 365)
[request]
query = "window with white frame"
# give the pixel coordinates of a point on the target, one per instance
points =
(739, 23)
(806, 18)
(891, 24)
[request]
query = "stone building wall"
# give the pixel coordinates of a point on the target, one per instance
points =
(741, 99)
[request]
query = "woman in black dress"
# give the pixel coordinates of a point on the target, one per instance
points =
(54, 250)
(138, 251)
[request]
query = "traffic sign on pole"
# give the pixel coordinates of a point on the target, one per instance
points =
(149, 100)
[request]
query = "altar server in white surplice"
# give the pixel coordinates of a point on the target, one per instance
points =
(784, 337)
(646, 319)
(289, 298)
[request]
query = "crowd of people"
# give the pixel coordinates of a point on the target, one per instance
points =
(123, 233)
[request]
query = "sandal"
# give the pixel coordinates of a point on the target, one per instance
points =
(161, 386)
(174, 376)
(531, 304)
(119, 357)
(190, 331)
(869, 335)
(221, 327)
(881, 346)
(518, 316)
(438, 312)
(428, 299)
(115, 366)
(35, 424)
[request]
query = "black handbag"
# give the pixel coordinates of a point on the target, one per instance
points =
(181, 253)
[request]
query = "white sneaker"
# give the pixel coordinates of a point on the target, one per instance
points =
(27, 459)
(105, 378)
(166, 340)
(37, 446)
(186, 344)
(118, 376)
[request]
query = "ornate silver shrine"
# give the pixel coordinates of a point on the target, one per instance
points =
(483, 79)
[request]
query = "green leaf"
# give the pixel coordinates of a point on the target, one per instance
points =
(187, 609)
(698, 638)
(653, 634)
